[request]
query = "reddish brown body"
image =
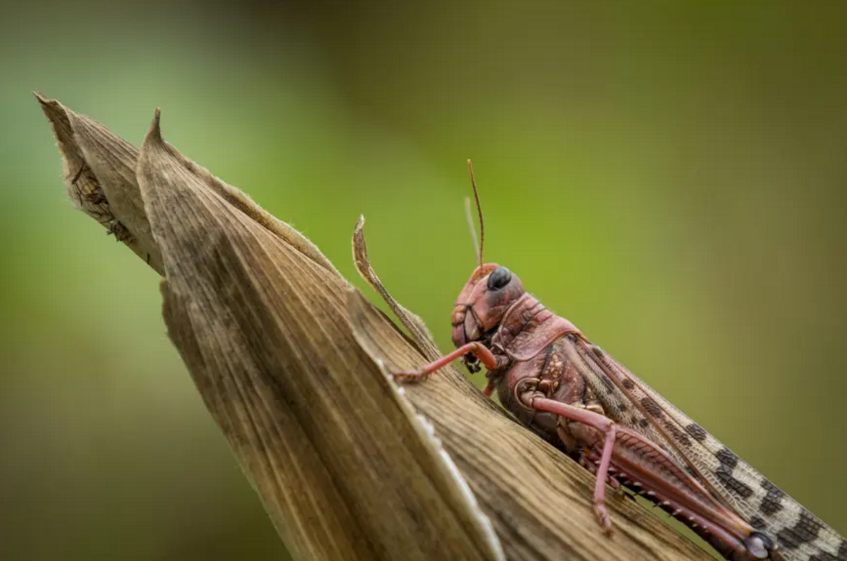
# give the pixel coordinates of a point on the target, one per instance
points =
(537, 362)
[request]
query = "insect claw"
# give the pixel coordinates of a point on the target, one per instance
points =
(603, 518)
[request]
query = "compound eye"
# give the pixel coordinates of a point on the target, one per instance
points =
(499, 278)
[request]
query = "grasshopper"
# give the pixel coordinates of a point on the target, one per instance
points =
(577, 397)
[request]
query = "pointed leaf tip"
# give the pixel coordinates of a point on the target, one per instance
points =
(154, 135)
(44, 101)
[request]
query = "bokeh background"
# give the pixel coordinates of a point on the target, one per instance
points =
(671, 177)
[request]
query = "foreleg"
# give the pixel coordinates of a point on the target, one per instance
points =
(484, 355)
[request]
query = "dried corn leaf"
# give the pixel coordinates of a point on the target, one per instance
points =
(265, 326)
(293, 365)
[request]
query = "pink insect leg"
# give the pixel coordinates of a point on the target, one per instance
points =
(602, 424)
(485, 356)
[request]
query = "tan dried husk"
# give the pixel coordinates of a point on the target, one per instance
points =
(293, 364)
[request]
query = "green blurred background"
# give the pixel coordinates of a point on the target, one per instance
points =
(672, 178)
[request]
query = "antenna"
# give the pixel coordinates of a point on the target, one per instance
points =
(479, 211)
(471, 227)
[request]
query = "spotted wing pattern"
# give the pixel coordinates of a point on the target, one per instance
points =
(616, 404)
(632, 403)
